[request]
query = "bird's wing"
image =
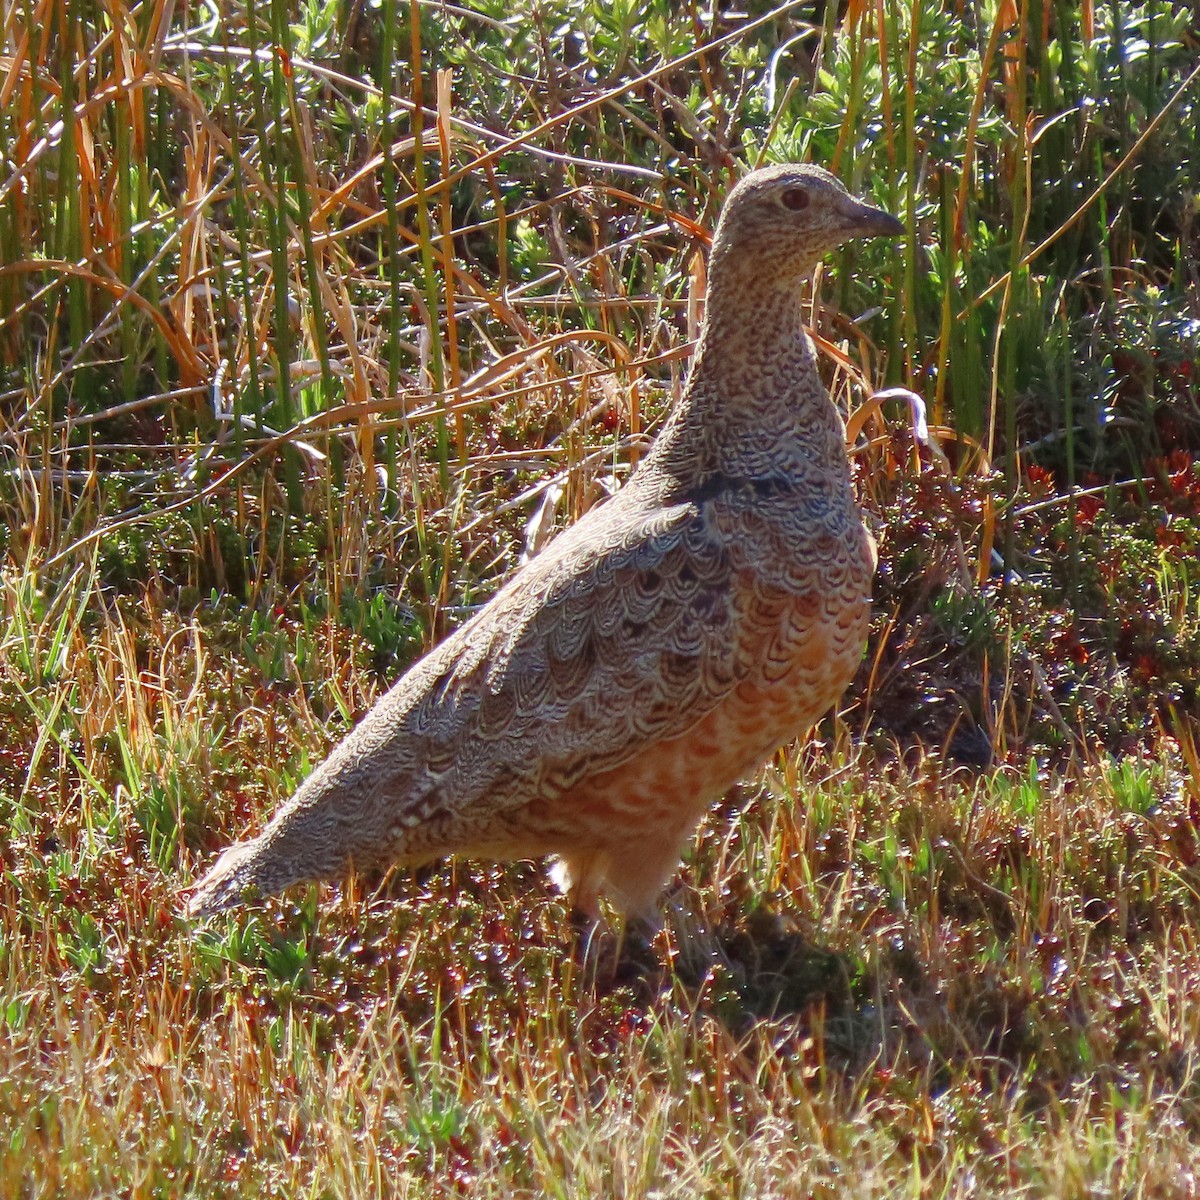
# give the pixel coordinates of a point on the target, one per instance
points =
(614, 641)
(623, 632)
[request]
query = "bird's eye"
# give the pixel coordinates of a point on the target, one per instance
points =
(795, 198)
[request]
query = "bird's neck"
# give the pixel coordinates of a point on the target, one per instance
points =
(754, 405)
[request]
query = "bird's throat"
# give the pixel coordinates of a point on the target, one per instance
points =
(754, 405)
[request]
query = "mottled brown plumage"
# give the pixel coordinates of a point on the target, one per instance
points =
(651, 655)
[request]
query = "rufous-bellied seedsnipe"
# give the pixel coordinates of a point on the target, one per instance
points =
(651, 655)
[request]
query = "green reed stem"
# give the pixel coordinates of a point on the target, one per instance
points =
(424, 232)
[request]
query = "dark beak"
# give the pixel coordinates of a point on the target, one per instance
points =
(868, 221)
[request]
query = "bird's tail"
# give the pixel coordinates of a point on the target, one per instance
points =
(318, 834)
(231, 876)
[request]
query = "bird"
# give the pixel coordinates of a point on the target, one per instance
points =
(652, 654)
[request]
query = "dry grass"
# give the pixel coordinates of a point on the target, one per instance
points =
(1003, 1002)
(895, 982)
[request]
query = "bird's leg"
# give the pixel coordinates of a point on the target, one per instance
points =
(589, 932)
(636, 874)
(579, 876)
(696, 945)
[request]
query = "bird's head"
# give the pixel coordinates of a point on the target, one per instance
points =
(788, 216)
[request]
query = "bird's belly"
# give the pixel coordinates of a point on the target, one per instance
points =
(672, 783)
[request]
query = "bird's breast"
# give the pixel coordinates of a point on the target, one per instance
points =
(804, 628)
